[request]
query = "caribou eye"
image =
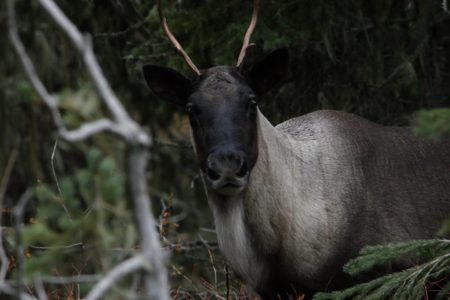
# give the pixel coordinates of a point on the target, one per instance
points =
(192, 117)
(189, 107)
(252, 102)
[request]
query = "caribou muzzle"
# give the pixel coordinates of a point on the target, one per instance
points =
(227, 172)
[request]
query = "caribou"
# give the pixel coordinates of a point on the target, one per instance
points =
(293, 203)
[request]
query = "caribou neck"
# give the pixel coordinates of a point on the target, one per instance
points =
(288, 219)
(236, 217)
(266, 200)
(252, 227)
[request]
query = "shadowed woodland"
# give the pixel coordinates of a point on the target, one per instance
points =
(387, 61)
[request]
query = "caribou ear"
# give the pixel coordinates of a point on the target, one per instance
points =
(263, 75)
(167, 84)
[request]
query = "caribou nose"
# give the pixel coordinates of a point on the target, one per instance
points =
(226, 165)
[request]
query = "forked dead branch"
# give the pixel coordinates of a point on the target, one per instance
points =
(151, 258)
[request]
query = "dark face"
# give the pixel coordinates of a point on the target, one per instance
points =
(222, 109)
(222, 113)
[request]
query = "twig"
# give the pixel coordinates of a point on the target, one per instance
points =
(214, 267)
(28, 66)
(71, 246)
(9, 290)
(128, 7)
(402, 65)
(3, 258)
(70, 279)
(89, 129)
(191, 246)
(52, 159)
(7, 173)
(120, 33)
(76, 135)
(18, 212)
(4, 261)
(172, 144)
(40, 289)
(227, 281)
(146, 224)
(124, 268)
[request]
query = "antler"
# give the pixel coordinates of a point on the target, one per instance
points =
(248, 34)
(174, 41)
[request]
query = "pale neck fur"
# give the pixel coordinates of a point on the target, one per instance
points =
(282, 182)
(259, 219)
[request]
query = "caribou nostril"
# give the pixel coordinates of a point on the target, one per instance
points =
(211, 174)
(243, 170)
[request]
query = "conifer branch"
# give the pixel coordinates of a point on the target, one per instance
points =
(412, 283)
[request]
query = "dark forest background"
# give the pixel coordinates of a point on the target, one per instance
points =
(385, 60)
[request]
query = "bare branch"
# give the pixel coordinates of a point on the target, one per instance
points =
(84, 46)
(70, 279)
(150, 244)
(9, 290)
(52, 159)
(122, 33)
(60, 248)
(18, 212)
(6, 174)
(3, 258)
(155, 277)
(89, 129)
(4, 261)
(227, 281)
(124, 268)
(85, 130)
(28, 66)
(174, 41)
(40, 289)
(248, 34)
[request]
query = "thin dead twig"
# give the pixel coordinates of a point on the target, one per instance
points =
(3, 186)
(121, 33)
(7, 173)
(70, 279)
(18, 212)
(52, 159)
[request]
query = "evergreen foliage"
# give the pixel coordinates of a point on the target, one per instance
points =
(429, 278)
(432, 123)
(80, 227)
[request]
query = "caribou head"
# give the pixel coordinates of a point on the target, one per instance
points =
(222, 106)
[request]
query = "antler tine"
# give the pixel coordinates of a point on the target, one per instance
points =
(248, 34)
(174, 41)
